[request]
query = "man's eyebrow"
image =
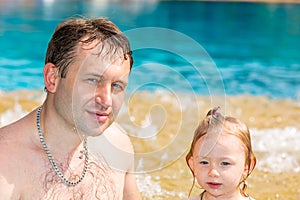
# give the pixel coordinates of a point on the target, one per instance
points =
(123, 82)
(95, 75)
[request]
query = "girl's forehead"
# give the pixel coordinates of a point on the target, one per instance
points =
(222, 144)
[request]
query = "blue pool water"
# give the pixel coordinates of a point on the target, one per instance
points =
(238, 48)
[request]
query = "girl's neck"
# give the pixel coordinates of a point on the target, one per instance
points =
(234, 196)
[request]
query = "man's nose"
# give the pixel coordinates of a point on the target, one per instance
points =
(104, 95)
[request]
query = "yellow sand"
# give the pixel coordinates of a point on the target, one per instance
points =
(180, 115)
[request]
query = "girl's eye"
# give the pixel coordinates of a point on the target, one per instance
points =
(203, 162)
(225, 163)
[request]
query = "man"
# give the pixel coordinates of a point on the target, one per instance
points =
(45, 155)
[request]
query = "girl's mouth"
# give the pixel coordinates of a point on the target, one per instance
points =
(214, 185)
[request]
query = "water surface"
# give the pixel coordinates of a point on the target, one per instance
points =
(188, 56)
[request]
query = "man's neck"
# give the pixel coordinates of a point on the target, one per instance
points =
(61, 137)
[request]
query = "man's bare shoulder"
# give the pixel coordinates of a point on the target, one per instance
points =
(6, 189)
(5, 172)
(114, 146)
(14, 151)
(8, 159)
(118, 136)
(15, 133)
(114, 138)
(8, 143)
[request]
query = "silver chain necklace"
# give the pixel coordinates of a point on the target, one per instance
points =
(51, 159)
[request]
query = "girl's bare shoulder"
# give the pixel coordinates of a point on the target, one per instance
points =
(194, 198)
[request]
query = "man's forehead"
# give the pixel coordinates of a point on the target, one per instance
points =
(97, 66)
(102, 54)
(102, 48)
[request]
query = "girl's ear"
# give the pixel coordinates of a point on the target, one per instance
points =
(252, 165)
(51, 77)
(249, 168)
(246, 171)
(191, 163)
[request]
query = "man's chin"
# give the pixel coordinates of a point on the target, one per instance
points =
(95, 129)
(103, 127)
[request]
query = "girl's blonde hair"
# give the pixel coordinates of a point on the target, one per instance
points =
(229, 125)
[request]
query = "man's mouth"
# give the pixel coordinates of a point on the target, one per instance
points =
(101, 117)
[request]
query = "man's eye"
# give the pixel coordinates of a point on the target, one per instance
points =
(118, 86)
(92, 80)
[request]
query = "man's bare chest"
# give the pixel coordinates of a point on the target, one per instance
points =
(97, 184)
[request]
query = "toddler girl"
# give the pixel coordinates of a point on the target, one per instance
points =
(221, 158)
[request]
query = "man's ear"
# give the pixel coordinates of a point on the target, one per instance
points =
(51, 77)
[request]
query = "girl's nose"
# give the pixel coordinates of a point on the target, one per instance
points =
(213, 172)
